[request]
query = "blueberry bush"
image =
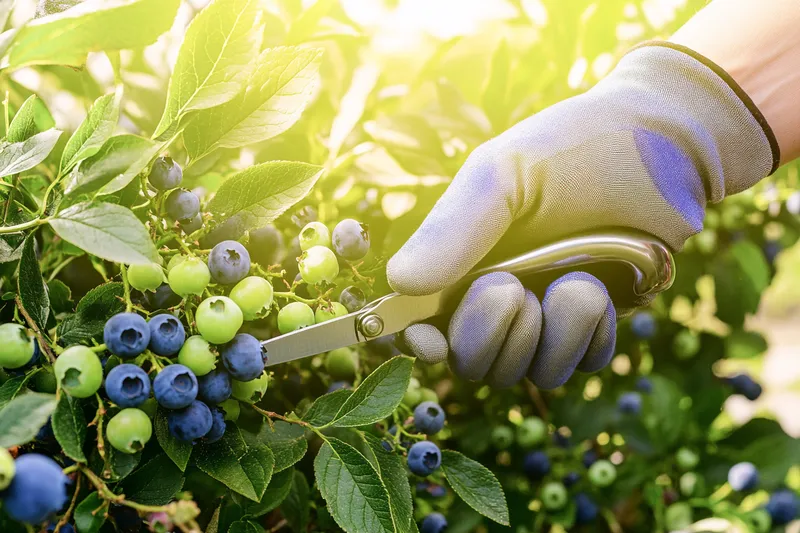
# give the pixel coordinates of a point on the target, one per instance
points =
(180, 180)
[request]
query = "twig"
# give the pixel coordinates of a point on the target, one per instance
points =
(126, 288)
(65, 518)
(43, 345)
(538, 401)
(278, 526)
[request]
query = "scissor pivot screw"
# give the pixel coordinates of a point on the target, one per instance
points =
(371, 326)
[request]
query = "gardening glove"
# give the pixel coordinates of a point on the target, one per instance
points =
(663, 134)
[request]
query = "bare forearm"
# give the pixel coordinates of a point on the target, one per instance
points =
(758, 43)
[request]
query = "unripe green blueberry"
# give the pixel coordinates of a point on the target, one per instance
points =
(314, 234)
(250, 391)
(147, 277)
(231, 408)
(554, 496)
(428, 395)
(294, 316)
(341, 363)
(129, 430)
(531, 431)
(197, 356)
(175, 260)
(79, 371)
(412, 397)
(678, 516)
(686, 458)
(602, 473)
(149, 407)
(7, 468)
(689, 484)
(318, 265)
(759, 520)
(502, 437)
(218, 319)
(686, 344)
(324, 313)
(18, 346)
(253, 295)
(190, 276)
(45, 380)
(705, 241)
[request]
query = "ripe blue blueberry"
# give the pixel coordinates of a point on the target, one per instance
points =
(229, 262)
(783, 507)
(163, 298)
(424, 458)
(571, 479)
(266, 246)
(66, 528)
(560, 440)
(175, 387)
(745, 385)
(589, 458)
(352, 298)
(126, 335)
(214, 387)
(643, 325)
(217, 426)
(165, 174)
(190, 225)
(743, 477)
(630, 403)
(433, 523)
(429, 418)
(243, 357)
(536, 464)
(644, 385)
(166, 335)
(38, 490)
(182, 204)
(45, 434)
(127, 385)
(350, 239)
(190, 423)
(586, 510)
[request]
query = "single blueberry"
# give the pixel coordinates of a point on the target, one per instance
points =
(630, 403)
(175, 387)
(783, 507)
(229, 262)
(536, 464)
(746, 386)
(586, 510)
(165, 174)
(190, 225)
(433, 523)
(644, 385)
(266, 245)
(126, 335)
(743, 477)
(643, 325)
(589, 458)
(182, 204)
(37, 491)
(243, 357)
(215, 387)
(163, 298)
(350, 239)
(424, 458)
(571, 479)
(127, 385)
(429, 418)
(217, 426)
(166, 335)
(190, 423)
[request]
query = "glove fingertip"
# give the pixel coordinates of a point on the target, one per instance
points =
(426, 343)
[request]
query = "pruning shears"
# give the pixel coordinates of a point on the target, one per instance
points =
(647, 261)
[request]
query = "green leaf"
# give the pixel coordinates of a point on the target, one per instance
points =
(744, 345)
(10, 248)
(109, 231)
(214, 60)
(93, 132)
(90, 514)
(95, 25)
(245, 526)
(394, 474)
(261, 193)
(287, 442)
(31, 287)
(11, 388)
(23, 417)
(352, 489)
(495, 92)
(69, 427)
(60, 296)
(242, 468)
(94, 309)
(378, 396)
(120, 465)
(324, 408)
(16, 157)
(476, 485)
(278, 488)
(351, 106)
(275, 96)
(32, 117)
(175, 449)
(155, 482)
(118, 159)
(296, 507)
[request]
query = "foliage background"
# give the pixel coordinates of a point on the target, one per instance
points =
(408, 88)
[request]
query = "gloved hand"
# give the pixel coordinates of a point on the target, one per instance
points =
(645, 149)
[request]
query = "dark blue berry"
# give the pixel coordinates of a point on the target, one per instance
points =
(165, 174)
(562, 441)
(182, 204)
(193, 224)
(429, 418)
(586, 510)
(424, 458)
(214, 387)
(643, 325)
(385, 346)
(589, 458)
(338, 385)
(163, 298)
(126, 519)
(38, 490)
(352, 298)
(229, 262)
(190, 423)
(644, 385)
(127, 385)
(433, 523)
(746, 386)
(126, 335)
(166, 335)
(175, 387)
(217, 426)
(266, 246)
(743, 476)
(630, 403)
(45, 434)
(571, 479)
(350, 239)
(66, 528)
(783, 507)
(243, 357)
(536, 464)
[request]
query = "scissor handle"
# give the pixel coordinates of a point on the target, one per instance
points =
(648, 259)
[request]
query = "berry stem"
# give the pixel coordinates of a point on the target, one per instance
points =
(43, 344)
(126, 287)
(71, 508)
(99, 348)
(295, 297)
(611, 520)
(23, 226)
